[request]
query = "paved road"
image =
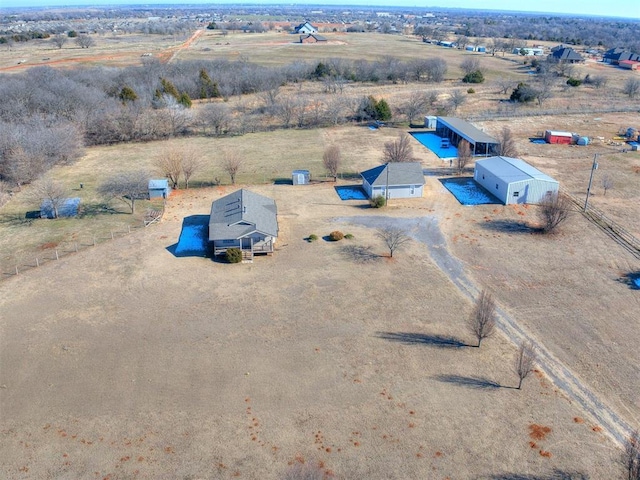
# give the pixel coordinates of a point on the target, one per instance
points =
(427, 231)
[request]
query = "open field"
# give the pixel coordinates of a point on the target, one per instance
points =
(145, 365)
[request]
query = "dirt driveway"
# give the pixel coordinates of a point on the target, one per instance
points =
(126, 362)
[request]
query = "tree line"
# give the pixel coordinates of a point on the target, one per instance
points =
(48, 115)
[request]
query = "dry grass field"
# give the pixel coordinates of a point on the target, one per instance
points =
(138, 364)
(123, 361)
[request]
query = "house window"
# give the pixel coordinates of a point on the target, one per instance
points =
(516, 194)
(413, 190)
(483, 176)
(496, 186)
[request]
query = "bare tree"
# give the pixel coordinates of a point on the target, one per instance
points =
(393, 237)
(631, 457)
(525, 361)
(59, 40)
(85, 41)
(169, 164)
(607, 183)
(416, 103)
(50, 193)
(507, 147)
(214, 116)
(436, 69)
(554, 211)
(505, 84)
(128, 187)
(231, 164)
(331, 159)
(399, 150)
(470, 65)
(191, 163)
(464, 155)
(631, 87)
(457, 99)
(482, 321)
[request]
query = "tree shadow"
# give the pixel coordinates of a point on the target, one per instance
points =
(478, 383)
(100, 208)
(510, 226)
(408, 338)
(631, 279)
(360, 253)
(556, 474)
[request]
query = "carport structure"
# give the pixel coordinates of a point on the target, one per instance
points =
(456, 129)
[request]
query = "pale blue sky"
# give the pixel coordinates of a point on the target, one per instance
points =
(629, 8)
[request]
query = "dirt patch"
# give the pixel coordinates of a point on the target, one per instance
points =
(539, 432)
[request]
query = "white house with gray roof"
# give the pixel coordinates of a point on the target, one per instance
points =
(245, 220)
(513, 180)
(402, 179)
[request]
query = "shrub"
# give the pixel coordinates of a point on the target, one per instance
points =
(233, 255)
(312, 238)
(348, 236)
(473, 77)
(574, 82)
(336, 235)
(470, 90)
(378, 201)
(523, 93)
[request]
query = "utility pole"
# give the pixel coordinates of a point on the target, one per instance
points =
(594, 167)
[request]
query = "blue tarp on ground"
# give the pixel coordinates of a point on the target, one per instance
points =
(434, 143)
(194, 237)
(351, 192)
(69, 208)
(468, 192)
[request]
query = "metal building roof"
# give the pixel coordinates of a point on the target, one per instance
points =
(158, 184)
(468, 131)
(400, 173)
(240, 213)
(513, 169)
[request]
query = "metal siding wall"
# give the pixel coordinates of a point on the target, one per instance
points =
(490, 181)
(538, 190)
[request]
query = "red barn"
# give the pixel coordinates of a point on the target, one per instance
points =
(553, 136)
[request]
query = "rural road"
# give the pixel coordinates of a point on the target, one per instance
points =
(427, 231)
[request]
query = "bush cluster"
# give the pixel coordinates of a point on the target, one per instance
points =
(336, 235)
(473, 77)
(312, 238)
(233, 255)
(378, 201)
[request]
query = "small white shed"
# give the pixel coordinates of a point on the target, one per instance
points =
(430, 122)
(513, 180)
(300, 177)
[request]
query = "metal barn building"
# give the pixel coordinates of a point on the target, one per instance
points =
(513, 180)
(159, 188)
(456, 129)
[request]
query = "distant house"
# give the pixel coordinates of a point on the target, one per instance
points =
(312, 38)
(159, 188)
(403, 180)
(566, 54)
(244, 220)
(528, 51)
(305, 29)
(616, 55)
(513, 180)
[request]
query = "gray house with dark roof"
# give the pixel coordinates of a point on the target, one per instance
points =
(245, 220)
(394, 180)
(567, 55)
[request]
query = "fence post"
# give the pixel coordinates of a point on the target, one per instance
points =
(111, 234)
(16, 269)
(37, 262)
(57, 257)
(94, 240)
(76, 244)
(129, 228)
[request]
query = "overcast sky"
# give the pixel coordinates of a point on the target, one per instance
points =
(628, 8)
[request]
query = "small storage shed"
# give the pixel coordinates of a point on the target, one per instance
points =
(66, 208)
(513, 180)
(554, 136)
(300, 177)
(159, 188)
(430, 122)
(403, 180)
